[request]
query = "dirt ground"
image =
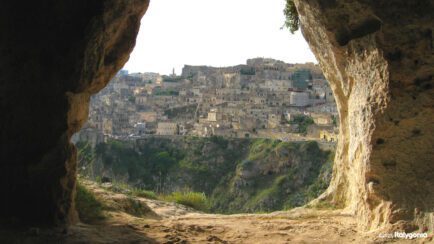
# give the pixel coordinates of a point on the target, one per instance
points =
(174, 223)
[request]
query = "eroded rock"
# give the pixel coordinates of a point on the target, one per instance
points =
(54, 55)
(379, 59)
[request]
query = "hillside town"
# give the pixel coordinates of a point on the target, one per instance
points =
(264, 98)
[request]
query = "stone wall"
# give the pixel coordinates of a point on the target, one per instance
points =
(54, 55)
(379, 59)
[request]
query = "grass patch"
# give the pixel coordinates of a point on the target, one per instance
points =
(89, 208)
(143, 193)
(191, 199)
(124, 188)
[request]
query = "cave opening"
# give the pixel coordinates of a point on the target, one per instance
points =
(255, 136)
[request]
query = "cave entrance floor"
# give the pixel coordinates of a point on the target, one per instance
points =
(297, 226)
(174, 223)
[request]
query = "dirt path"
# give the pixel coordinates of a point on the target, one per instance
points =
(202, 228)
(301, 226)
(179, 224)
(173, 223)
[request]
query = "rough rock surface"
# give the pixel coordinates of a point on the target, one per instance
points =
(54, 55)
(379, 59)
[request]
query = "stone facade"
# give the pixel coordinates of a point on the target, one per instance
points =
(299, 99)
(167, 129)
(207, 101)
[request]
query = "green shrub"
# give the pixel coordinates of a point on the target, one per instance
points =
(248, 71)
(220, 141)
(135, 207)
(303, 122)
(192, 166)
(191, 199)
(292, 21)
(166, 93)
(120, 187)
(85, 158)
(172, 79)
(89, 209)
(143, 193)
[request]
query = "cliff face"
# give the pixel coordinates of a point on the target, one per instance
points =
(237, 175)
(54, 55)
(379, 59)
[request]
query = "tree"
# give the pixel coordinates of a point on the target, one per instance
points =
(292, 21)
(162, 161)
(303, 122)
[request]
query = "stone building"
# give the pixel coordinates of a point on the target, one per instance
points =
(299, 99)
(328, 135)
(141, 100)
(214, 115)
(140, 129)
(301, 78)
(322, 119)
(167, 128)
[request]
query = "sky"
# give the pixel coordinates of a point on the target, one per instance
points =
(215, 33)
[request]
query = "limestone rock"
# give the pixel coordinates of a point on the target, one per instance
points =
(54, 55)
(379, 59)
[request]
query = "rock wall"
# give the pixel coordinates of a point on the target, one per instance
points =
(54, 55)
(379, 59)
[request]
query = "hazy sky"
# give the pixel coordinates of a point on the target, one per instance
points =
(213, 32)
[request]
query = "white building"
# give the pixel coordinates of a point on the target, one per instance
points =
(329, 94)
(214, 115)
(119, 85)
(322, 119)
(167, 128)
(140, 128)
(299, 99)
(278, 85)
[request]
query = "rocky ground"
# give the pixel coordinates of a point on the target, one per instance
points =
(165, 222)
